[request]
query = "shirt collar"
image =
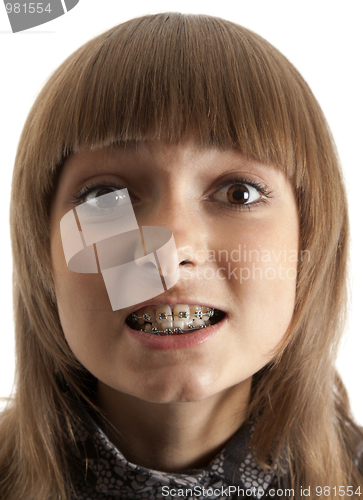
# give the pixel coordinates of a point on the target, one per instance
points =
(106, 471)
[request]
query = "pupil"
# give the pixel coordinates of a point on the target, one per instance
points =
(238, 193)
(109, 201)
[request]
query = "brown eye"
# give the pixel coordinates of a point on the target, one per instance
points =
(238, 194)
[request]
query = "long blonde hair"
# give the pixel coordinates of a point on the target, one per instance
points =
(172, 76)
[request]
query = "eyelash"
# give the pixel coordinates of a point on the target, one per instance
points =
(92, 187)
(243, 182)
(229, 182)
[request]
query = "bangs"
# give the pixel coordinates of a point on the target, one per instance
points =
(174, 77)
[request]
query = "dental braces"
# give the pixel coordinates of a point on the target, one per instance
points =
(180, 315)
(171, 331)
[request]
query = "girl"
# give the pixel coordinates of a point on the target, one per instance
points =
(224, 384)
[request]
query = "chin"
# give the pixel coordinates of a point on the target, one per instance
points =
(175, 391)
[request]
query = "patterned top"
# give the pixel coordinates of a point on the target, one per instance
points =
(106, 474)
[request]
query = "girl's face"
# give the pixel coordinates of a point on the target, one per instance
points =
(235, 223)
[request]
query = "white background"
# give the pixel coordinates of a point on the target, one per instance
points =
(322, 38)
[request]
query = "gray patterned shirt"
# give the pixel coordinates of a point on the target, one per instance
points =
(106, 474)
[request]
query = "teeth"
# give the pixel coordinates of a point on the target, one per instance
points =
(166, 320)
(167, 324)
(148, 313)
(163, 313)
(196, 312)
(207, 312)
(179, 323)
(181, 311)
(198, 322)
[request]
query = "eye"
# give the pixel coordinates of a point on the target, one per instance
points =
(239, 193)
(242, 194)
(97, 199)
(101, 196)
(105, 200)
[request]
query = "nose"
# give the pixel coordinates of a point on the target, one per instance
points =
(186, 224)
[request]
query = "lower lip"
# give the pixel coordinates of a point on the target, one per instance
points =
(169, 342)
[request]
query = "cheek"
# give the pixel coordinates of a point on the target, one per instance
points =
(82, 299)
(76, 291)
(261, 274)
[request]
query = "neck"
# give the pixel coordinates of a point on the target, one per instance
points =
(172, 436)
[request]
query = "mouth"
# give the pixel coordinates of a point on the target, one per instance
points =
(179, 319)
